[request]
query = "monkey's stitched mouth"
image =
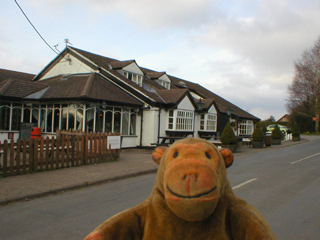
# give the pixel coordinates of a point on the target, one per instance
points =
(194, 196)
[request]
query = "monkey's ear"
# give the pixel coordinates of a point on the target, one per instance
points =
(227, 156)
(157, 154)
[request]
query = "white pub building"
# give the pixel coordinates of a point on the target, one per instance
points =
(80, 90)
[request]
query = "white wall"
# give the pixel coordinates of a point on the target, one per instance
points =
(133, 68)
(165, 78)
(163, 122)
(196, 124)
(129, 141)
(186, 104)
(68, 67)
(4, 135)
(212, 109)
(150, 126)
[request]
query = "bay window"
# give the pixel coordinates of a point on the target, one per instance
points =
(208, 122)
(180, 120)
(245, 127)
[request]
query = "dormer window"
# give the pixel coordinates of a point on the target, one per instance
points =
(164, 83)
(182, 84)
(136, 78)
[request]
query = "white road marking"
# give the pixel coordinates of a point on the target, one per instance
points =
(305, 158)
(244, 183)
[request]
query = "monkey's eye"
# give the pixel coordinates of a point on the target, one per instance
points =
(176, 154)
(208, 155)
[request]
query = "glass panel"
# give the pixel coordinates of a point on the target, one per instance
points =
(99, 120)
(108, 121)
(184, 120)
(49, 119)
(43, 118)
(57, 119)
(202, 121)
(35, 116)
(133, 122)
(16, 117)
(26, 115)
(71, 116)
(64, 117)
(4, 117)
(79, 119)
(89, 119)
(117, 122)
(125, 123)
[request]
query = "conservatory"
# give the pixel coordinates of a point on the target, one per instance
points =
(68, 116)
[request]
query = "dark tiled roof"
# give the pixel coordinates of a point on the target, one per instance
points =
(120, 64)
(206, 101)
(136, 87)
(172, 96)
(153, 84)
(6, 74)
(177, 83)
(221, 103)
(65, 87)
(151, 73)
(90, 86)
(103, 61)
(19, 88)
(155, 75)
(156, 95)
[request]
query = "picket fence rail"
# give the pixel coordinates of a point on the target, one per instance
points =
(68, 149)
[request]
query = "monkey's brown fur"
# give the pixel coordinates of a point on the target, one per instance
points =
(191, 199)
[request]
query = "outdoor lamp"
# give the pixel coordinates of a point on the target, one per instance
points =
(200, 105)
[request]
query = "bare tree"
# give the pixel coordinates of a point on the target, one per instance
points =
(304, 91)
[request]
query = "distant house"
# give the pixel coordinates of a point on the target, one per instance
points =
(80, 90)
(284, 118)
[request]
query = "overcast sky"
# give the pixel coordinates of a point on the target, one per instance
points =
(243, 50)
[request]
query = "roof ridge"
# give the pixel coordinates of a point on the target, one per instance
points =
(88, 85)
(6, 85)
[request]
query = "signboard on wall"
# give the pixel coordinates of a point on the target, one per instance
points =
(10, 135)
(25, 130)
(114, 142)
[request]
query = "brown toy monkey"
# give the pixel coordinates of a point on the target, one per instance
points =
(191, 199)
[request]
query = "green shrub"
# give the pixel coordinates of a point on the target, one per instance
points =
(227, 136)
(258, 135)
(276, 133)
(304, 121)
(295, 130)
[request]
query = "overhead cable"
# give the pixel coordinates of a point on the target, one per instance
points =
(35, 28)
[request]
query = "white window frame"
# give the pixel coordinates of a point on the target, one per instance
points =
(180, 120)
(136, 78)
(163, 83)
(129, 129)
(208, 122)
(245, 127)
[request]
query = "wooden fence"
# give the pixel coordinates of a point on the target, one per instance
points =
(68, 149)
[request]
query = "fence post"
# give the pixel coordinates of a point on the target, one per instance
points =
(11, 161)
(84, 149)
(5, 157)
(18, 156)
(72, 149)
(31, 155)
(24, 154)
(35, 154)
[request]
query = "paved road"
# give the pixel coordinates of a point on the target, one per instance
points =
(283, 184)
(285, 187)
